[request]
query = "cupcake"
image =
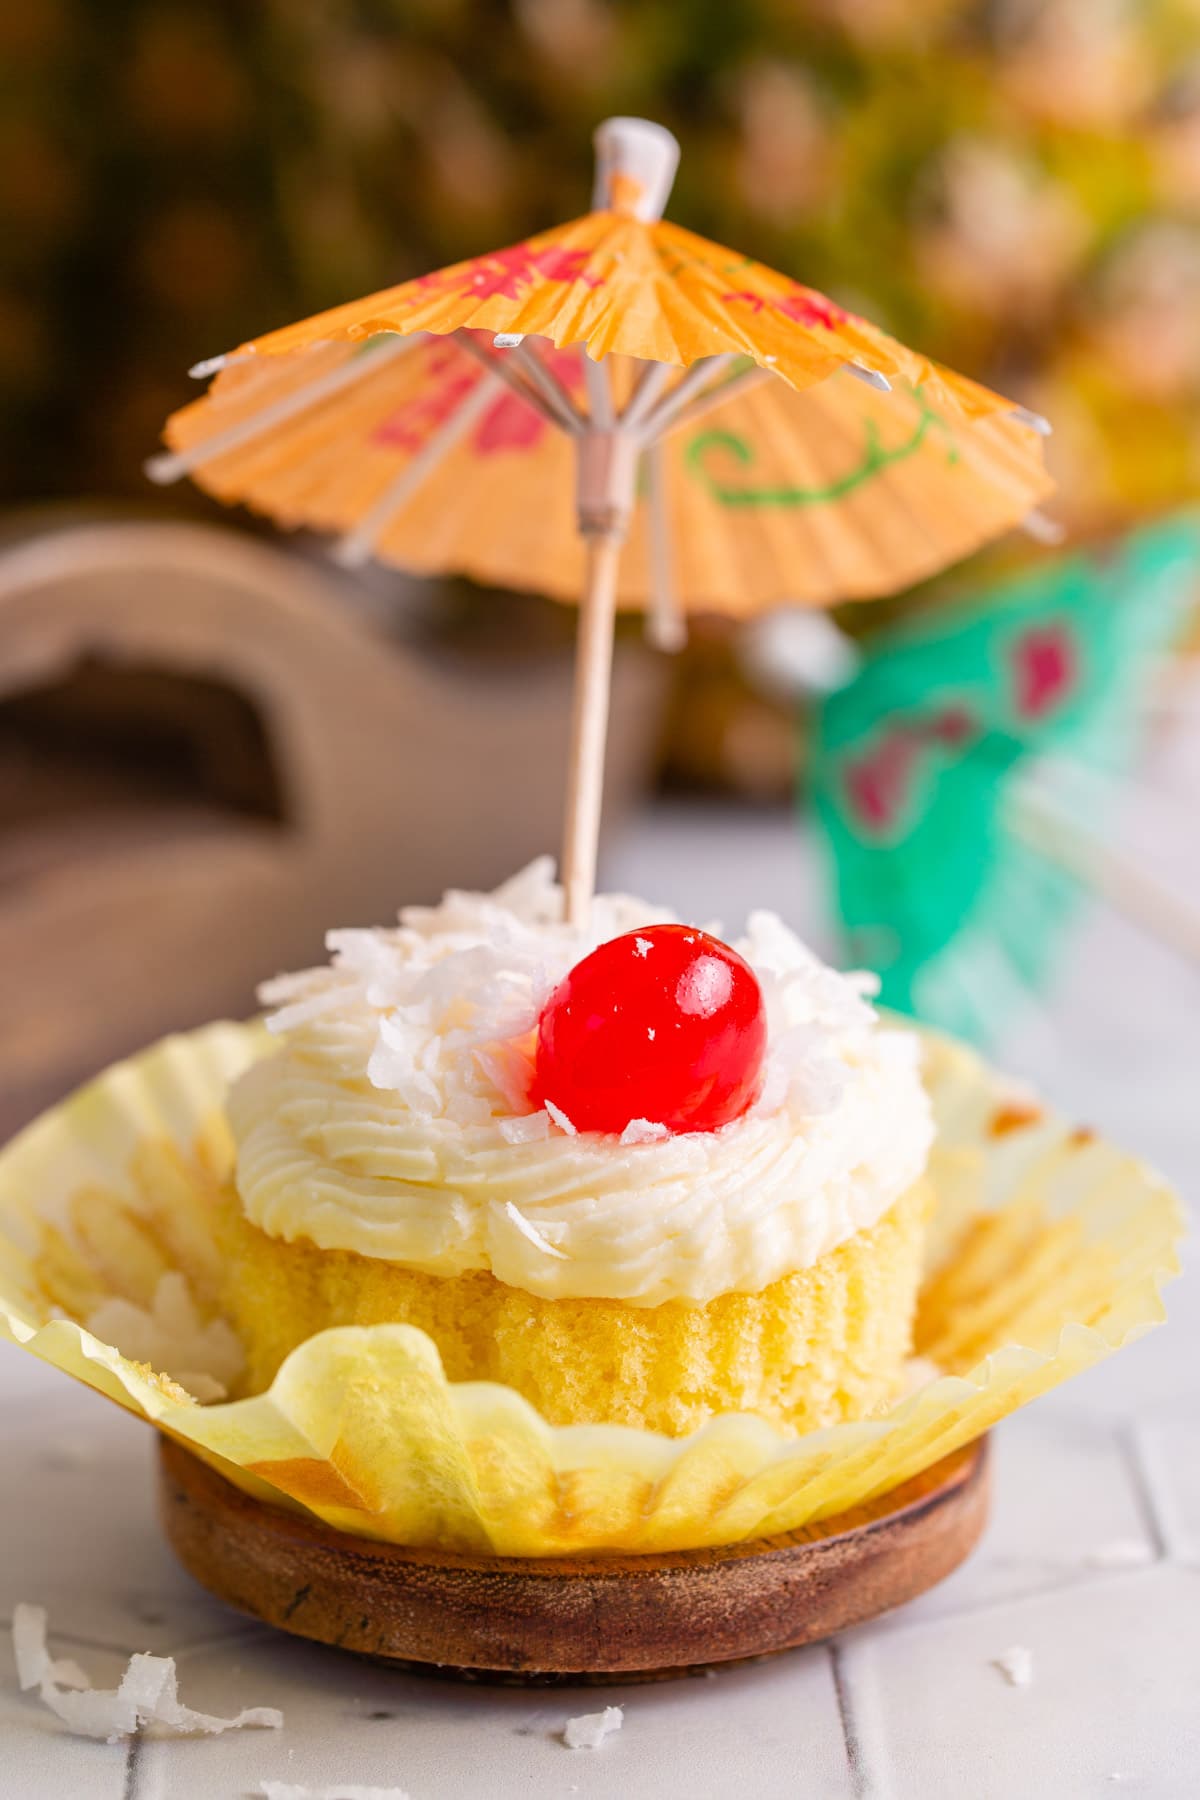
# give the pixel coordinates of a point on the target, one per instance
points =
(640, 1176)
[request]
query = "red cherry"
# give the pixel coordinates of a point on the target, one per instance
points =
(665, 1024)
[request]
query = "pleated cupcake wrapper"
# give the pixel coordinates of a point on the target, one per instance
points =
(1048, 1251)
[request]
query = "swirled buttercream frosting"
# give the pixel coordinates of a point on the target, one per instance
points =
(393, 1120)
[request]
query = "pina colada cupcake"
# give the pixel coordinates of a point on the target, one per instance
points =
(638, 1175)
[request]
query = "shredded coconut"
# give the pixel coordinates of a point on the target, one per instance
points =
(147, 1697)
(705, 987)
(589, 1730)
(533, 1128)
(203, 1356)
(1016, 1666)
(527, 1230)
(560, 1119)
(643, 1131)
(469, 977)
(397, 1120)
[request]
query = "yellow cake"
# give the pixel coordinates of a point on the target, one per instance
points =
(825, 1344)
(393, 1166)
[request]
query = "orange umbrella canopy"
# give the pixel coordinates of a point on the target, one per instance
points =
(836, 492)
(426, 424)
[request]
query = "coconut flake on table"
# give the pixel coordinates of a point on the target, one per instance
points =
(1016, 1665)
(146, 1699)
(340, 1790)
(442, 1010)
(589, 1730)
(203, 1356)
(1120, 1553)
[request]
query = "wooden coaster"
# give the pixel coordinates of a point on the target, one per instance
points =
(591, 1618)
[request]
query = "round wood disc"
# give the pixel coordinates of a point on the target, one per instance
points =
(617, 1617)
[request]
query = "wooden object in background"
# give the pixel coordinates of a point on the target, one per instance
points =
(617, 1617)
(281, 765)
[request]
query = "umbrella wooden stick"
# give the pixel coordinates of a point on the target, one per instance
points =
(172, 465)
(635, 166)
(589, 724)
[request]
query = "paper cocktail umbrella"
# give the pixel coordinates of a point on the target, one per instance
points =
(965, 777)
(428, 425)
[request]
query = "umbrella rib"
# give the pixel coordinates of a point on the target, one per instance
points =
(357, 545)
(711, 397)
(650, 384)
(664, 413)
(172, 465)
(664, 625)
(513, 378)
(601, 411)
(1042, 528)
(549, 386)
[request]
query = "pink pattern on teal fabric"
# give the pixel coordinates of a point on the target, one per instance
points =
(879, 783)
(1044, 668)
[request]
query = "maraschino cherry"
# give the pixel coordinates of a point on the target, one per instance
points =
(665, 1024)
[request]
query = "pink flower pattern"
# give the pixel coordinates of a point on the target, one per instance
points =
(508, 424)
(510, 272)
(803, 304)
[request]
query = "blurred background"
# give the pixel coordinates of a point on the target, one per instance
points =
(212, 744)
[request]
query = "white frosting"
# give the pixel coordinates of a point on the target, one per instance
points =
(393, 1120)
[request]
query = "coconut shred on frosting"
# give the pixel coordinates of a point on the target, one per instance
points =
(394, 1122)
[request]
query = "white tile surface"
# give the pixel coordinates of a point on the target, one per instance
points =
(1114, 1691)
(38, 1759)
(908, 1709)
(1066, 1504)
(113, 1582)
(1169, 1449)
(443, 1740)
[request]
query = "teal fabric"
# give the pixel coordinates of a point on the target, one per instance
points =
(913, 757)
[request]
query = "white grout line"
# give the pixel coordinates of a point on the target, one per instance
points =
(133, 1788)
(1152, 1486)
(854, 1683)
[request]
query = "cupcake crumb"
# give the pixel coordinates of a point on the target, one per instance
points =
(1016, 1665)
(589, 1730)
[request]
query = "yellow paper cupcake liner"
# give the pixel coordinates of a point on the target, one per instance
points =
(1048, 1251)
